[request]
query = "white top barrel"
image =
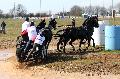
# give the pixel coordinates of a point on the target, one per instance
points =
(99, 33)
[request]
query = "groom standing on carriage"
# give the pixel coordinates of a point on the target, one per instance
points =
(41, 40)
(24, 32)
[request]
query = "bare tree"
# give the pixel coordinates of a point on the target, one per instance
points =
(21, 10)
(118, 7)
(37, 15)
(103, 11)
(93, 10)
(76, 11)
(11, 12)
(31, 15)
(97, 10)
(110, 10)
(41, 15)
(1, 13)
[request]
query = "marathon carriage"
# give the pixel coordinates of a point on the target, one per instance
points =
(35, 56)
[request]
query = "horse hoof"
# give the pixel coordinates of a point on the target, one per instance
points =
(87, 48)
(93, 49)
(59, 51)
(84, 50)
(94, 45)
(73, 49)
(61, 47)
(80, 50)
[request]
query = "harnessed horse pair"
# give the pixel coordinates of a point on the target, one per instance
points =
(74, 33)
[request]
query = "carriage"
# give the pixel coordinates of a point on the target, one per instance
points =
(35, 56)
(38, 54)
(72, 34)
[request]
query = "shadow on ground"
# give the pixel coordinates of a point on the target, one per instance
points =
(55, 56)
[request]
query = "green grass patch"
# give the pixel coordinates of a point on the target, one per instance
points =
(110, 52)
(13, 27)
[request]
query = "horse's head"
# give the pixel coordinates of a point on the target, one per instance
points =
(94, 22)
(52, 24)
(90, 23)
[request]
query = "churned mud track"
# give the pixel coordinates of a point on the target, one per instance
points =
(89, 62)
(71, 65)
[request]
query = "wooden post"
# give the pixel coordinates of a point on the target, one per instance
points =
(113, 16)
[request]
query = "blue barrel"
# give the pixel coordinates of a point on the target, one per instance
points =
(112, 38)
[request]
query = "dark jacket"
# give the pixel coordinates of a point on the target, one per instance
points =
(3, 24)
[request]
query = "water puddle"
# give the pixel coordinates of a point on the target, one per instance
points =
(4, 55)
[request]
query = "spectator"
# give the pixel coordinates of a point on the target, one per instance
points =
(3, 25)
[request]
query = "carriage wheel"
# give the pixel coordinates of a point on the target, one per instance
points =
(45, 51)
(19, 52)
(19, 55)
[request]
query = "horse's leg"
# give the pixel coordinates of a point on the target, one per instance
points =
(48, 42)
(46, 47)
(65, 42)
(58, 45)
(93, 42)
(72, 40)
(89, 40)
(60, 42)
(81, 42)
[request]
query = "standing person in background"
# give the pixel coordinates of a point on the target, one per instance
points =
(24, 32)
(73, 22)
(3, 25)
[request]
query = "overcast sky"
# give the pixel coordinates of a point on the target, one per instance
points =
(53, 5)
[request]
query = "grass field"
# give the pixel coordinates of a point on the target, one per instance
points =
(14, 27)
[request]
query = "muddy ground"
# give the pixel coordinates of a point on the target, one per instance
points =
(72, 65)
